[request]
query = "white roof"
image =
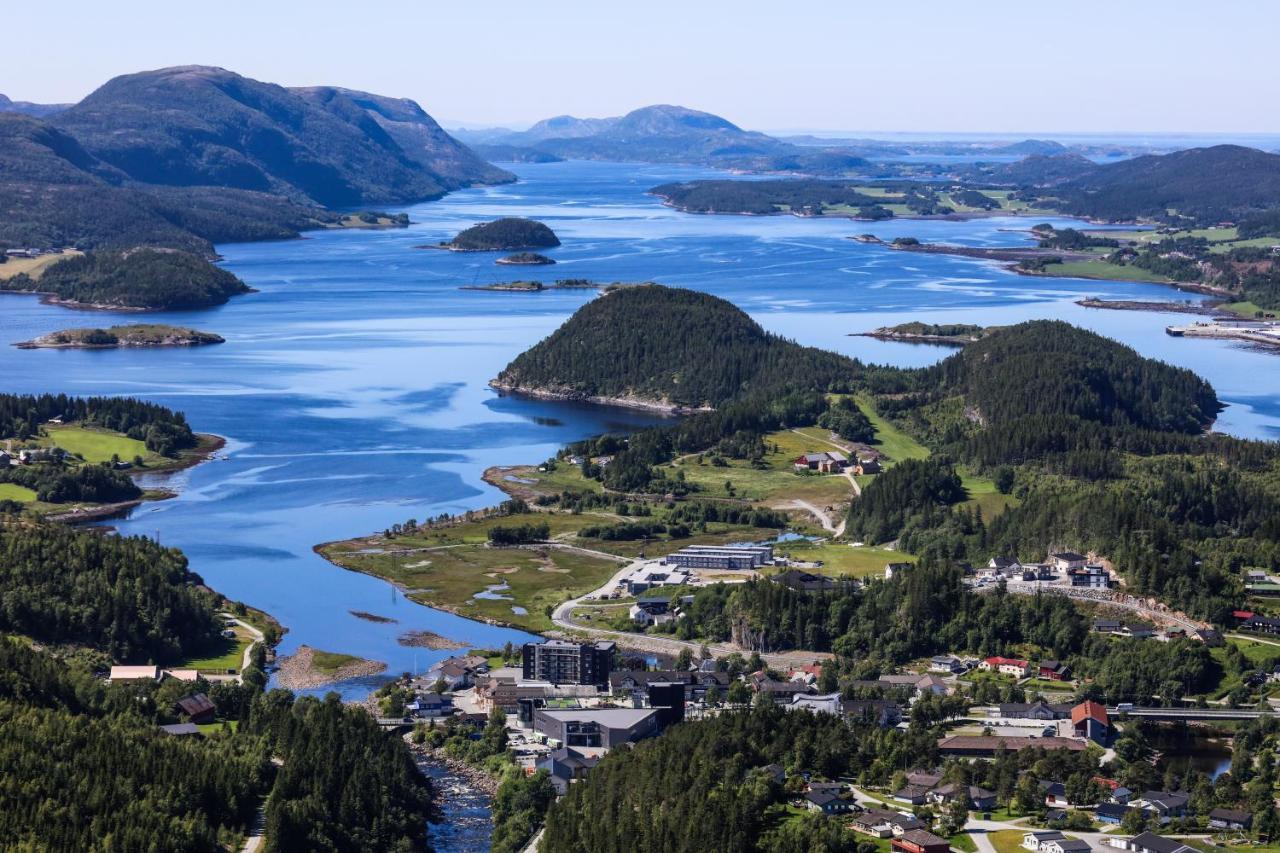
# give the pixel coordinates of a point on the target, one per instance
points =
(183, 674)
(612, 717)
(133, 673)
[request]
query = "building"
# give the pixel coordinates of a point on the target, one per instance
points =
(945, 663)
(892, 570)
(134, 673)
(722, 556)
(915, 795)
(1230, 819)
(635, 683)
(1089, 720)
(1149, 842)
(1005, 666)
(805, 582)
(1066, 845)
(975, 798)
(983, 746)
(561, 662)
(566, 765)
(1066, 560)
(866, 466)
(1164, 805)
(1054, 670)
(1039, 710)
(601, 727)
(921, 841)
(1090, 577)
(874, 822)
(1112, 813)
(1033, 840)
(651, 610)
(826, 462)
(198, 708)
(826, 802)
(882, 712)
(430, 705)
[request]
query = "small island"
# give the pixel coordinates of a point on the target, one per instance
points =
(509, 234)
(135, 335)
(525, 259)
(308, 668)
(523, 286)
(949, 334)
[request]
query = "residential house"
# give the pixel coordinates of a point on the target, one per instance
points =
(921, 841)
(1054, 815)
(1038, 710)
(1090, 577)
(1089, 720)
(566, 765)
(1066, 560)
(430, 705)
(1055, 794)
(984, 746)
(978, 799)
(882, 712)
(198, 708)
(924, 778)
(1139, 630)
(916, 795)
(1006, 666)
(874, 822)
(946, 663)
(827, 802)
(1230, 819)
(1066, 845)
(827, 462)
(1112, 813)
(1106, 626)
(1164, 805)
(1121, 795)
(651, 610)
(1033, 840)
(776, 772)
(1054, 670)
(134, 673)
(904, 823)
(1004, 565)
(1261, 624)
(866, 466)
(1149, 842)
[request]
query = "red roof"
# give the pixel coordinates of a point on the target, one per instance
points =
(1089, 709)
(999, 661)
(1242, 614)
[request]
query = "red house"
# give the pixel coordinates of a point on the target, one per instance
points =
(1089, 719)
(921, 841)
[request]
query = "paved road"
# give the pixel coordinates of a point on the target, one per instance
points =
(562, 617)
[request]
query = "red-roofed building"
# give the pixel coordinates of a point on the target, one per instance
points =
(1089, 719)
(1243, 615)
(1008, 666)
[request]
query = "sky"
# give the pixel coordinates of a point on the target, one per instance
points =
(1143, 66)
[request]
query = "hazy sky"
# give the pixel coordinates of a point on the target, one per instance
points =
(937, 65)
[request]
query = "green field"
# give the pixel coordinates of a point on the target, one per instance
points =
(331, 661)
(14, 492)
(1006, 840)
(1104, 271)
(1246, 309)
(891, 441)
(984, 495)
(228, 655)
(95, 445)
(841, 559)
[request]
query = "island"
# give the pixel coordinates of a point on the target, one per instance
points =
(525, 259)
(308, 668)
(508, 234)
(949, 334)
(523, 286)
(135, 335)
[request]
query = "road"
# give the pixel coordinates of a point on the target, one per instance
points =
(248, 650)
(562, 617)
(1113, 598)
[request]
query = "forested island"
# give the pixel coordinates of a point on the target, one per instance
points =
(525, 259)
(508, 234)
(133, 280)
(951, 334)
(525, 286)
(134, 335)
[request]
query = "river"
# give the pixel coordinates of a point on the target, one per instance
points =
(351, 388)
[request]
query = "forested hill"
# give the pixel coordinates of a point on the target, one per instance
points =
(140, 278)
(1052, 368)
(672, 346)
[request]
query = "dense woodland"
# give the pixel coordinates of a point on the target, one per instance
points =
(508, 234)
(163, 430)
(141, 278)
(55, 482)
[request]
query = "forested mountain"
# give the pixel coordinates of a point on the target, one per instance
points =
(737, 196)
(136, 278)
(1034, 170)
(1206, 184)
(7, 105)
(675, 346)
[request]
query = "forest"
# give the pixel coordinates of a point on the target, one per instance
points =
(138, 278)
(162, 430)
(508, 234)
(55, 483)
(729, 196)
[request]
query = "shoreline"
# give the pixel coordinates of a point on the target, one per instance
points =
(670, 409)
(1204, 308)
(299, 672)
(963, 216)
(910, 338)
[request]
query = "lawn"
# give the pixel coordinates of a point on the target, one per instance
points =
(1246, 309)
(229, 653)
(1044, 684)
(984, 495)
(1006, 840)
(331, 661)
(1104, 271)
(14, 492)
(774, 485)
(891, 441)
(841, 559)
(96, 445)
(564, 477)
(33, 267)
(213, 728)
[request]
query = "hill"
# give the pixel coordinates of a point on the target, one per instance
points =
(1034, 171)
(140, 279)
(668, 347)
(203, 126)
(508, 234)
(27, 108)
(1205, 184)
(759, 197)
(133, 335)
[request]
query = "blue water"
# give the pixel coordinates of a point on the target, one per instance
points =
(352, 387)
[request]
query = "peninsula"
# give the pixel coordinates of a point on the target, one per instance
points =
(135, 335)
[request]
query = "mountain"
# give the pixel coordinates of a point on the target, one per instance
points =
(30, 109)
(668, 346)
(567, 127)
(1037, 170)
(203, 126)
(1220, 182)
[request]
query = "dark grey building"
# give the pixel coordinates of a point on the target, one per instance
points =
(560, 662)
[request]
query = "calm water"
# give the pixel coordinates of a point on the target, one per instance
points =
(352, 388)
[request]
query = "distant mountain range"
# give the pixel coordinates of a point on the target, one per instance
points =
(188, 155)
(28, 108)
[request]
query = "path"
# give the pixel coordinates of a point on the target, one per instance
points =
(821, 515)
(1109, 599)
(562, 617)
(248, 650)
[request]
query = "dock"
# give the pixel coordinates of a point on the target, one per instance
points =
(1265, 332)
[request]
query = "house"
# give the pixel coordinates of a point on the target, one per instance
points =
(1054, 670)
(827, 462)
(924, 778)
(805, 582)
(776, 772)
(945, 663)
(892, 570)
(1164, 805)
(1089, 720)
(430, 705)
(779, 691)
(651, 610)
(1106, 626)
(921, 841)
(1039, 710)
(134, 673)
(914, 683)
(1112, 813)
(198, 708)
(566, 765)
(1033, 840)
(181, 729)
(1149, 842)
(1055, 793)
(882, 712)
(1066, 560)
(1261, 624)
(874, 822)
(915, 795)
(1140, 630)
(1054, 815)
(1230, 819)
(984, 746)
(1006, 666)
(978, 799)
(903, 823)
(866, 466)
(1090, 577)
(1004, 565)
(1121, 795)
(826, 802)
(1066, 845)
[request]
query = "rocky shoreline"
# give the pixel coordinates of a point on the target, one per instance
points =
(118, 337)
(298, 670)
(474, 776)
(428, 640)
(643, 404)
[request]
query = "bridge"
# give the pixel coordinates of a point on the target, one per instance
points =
(1191, 713)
